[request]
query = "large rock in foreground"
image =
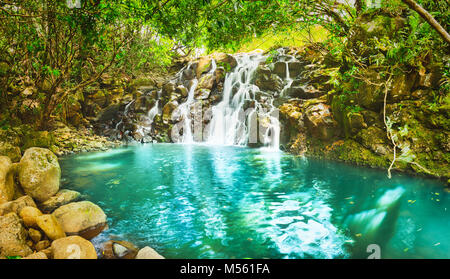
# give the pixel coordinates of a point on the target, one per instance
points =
(39, 173)
(13, 237)
(6, 179)
(81, 218)
(148, 253)
(63, 197)
(16, 205)
(73, 247)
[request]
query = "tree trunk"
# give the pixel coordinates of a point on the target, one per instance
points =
(428, 18)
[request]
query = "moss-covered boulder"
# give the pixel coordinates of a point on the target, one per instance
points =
(81, 218)
(320, 122)
(39, 173)
(13, 237)
(7, 185)
(11, 151)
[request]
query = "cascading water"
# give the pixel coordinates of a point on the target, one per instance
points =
(237, 110)
(227, 126)
(234, 124)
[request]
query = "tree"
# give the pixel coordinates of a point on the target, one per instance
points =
(428, 18)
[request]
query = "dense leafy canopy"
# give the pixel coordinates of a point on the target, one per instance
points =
(63, 46)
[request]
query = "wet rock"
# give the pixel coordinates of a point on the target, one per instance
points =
(61, 198)
(50, 226)
(188, 74)
(148, 253)
(13, 236)
(374, 139)
(202, 94)
(116, 249)
(320, 122)
(224, 58)
(73, 247)
(168, 110)
(7, 185)
(39, 173)
(11, 151)
(302, 92)
(81, 218)
(265, 80)
(182, 91)
(203, 65)
(295, 68)
(168, 89)
(279, 68)
(109, 113)
(16, 205)
(207, 81)
(29, 215)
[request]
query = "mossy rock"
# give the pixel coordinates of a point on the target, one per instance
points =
(11, 151)
(42, 139)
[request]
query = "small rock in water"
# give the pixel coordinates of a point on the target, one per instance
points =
(116, 249)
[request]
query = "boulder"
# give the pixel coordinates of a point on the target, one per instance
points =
(148, 253)
(224, 58)
(207, 81)
(371, 95)
(11, 151)
(265, 80)
(73, 247)
(202, 94)
(375, 139)
(295, 68)
(29, 215)
(353, 122)
(203, 65)
(182, 91)
(35, 235)
(168, 110)
(36, 256)
(39, 173)
(16, 205)
(42, 245)
(61, 198)
(279, 68)
(81, 218)
(402, 86)
(116, 249)
(13, 237)
(50, 226)
(320, 122)
(7, 187)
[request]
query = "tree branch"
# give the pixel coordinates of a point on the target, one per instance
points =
(428, 18)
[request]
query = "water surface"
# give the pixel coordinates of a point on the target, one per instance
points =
(196, 201)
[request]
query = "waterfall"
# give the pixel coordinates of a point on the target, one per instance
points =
(235, 110)
(231, 122)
